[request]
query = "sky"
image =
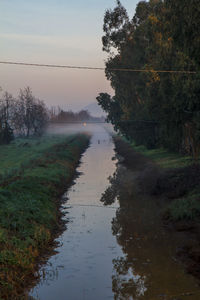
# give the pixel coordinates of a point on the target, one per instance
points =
(55, 32)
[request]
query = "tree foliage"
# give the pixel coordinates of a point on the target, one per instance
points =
(150, 107)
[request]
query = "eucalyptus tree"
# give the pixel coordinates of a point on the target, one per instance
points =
(151, 107)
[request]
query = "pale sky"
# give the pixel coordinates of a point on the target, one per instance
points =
(55, 32)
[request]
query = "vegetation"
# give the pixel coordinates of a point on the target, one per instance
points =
(33, 176)
(163, 157)
(59, 115)
(187, 208)
(152, 108)
(23, 116)
(168, 175)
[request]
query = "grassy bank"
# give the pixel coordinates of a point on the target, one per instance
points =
(34, 173)
(186, 205)
(163, 157)
(169, 175)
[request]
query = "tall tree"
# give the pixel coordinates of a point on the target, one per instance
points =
(155, 108)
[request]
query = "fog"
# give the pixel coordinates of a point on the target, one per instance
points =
(89, 128)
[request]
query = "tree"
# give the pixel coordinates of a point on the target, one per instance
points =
(116, 25)
(155, 108)
(40, 117)
(6, 112)
(83, 115)
(30, 114)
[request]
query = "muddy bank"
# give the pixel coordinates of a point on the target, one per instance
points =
(30, 214)
(166, 186)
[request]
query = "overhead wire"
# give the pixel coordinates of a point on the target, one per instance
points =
(96, 68)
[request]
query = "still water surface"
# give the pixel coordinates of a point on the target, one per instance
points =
(108, 252)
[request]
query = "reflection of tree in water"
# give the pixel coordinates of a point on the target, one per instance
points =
(126, 282)
(116, 180)
(110, 194)
(146, 269)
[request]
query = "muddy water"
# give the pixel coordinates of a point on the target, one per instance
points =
(112, 252)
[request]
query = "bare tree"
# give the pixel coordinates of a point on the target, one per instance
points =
(40, 117)
(31, 115)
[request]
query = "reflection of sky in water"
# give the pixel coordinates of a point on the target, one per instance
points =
(83, 267)
(140, 285)
(139, 282)
(128, 284)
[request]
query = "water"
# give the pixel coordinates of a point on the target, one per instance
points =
(108, 252)
(83, 266)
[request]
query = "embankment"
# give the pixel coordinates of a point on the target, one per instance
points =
(174, 180)
(30, 215)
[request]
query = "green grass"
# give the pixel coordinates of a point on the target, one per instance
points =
(164, 158)
(22, 151)
(29, 206)
(186, 208)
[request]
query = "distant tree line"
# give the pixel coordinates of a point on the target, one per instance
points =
(59, 115)
(21, 116)
(153, 108)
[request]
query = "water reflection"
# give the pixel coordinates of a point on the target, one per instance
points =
(126, 283)
(147, 269)
(88, 245)
(112, 252)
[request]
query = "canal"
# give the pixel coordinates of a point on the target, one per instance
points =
(110, 250)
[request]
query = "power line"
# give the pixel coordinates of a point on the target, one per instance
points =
(96, 68)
